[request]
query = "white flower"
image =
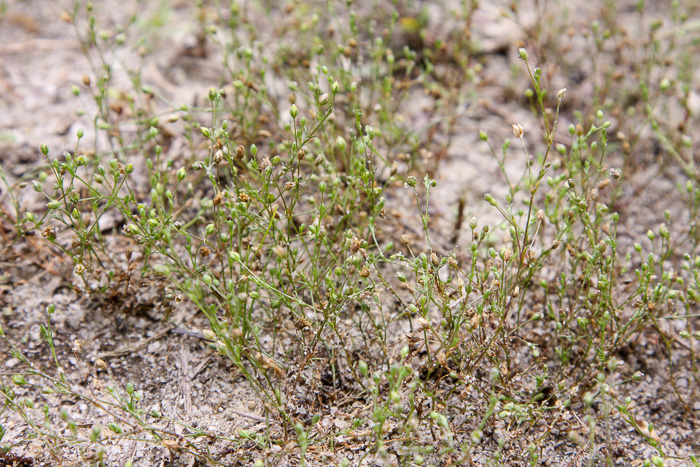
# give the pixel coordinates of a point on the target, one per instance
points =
(518, 130)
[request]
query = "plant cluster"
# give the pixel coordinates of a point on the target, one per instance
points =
(279, 225)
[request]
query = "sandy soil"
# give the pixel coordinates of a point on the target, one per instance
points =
(139, 334)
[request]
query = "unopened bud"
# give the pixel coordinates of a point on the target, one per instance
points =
(340, 143)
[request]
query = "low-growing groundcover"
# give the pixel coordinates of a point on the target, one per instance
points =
(349, 233)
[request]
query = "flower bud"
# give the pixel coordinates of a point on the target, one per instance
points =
(161, 269)
(115, 428)
(362, 367)
(19, 380)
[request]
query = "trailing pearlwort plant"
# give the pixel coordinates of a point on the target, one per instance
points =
(280, 221)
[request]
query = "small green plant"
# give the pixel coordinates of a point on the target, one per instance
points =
(285, 218)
